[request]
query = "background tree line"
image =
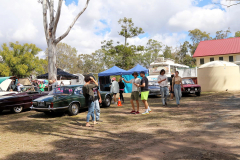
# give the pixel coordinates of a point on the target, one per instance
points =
(22, 61)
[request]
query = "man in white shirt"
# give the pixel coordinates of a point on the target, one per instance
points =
(19, 85)
(114, 89)
(163, 83)
(135, 91)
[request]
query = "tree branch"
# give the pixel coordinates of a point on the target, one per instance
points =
(70, 27)
(57, 17)
(51, 9)
(45, 22)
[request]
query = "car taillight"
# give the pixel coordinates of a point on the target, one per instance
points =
(51, 105)
(31, 103)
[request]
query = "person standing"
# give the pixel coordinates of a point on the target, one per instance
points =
(171, 88)
(163, 83)
(121, 89)
(144, 92)
(135, 92)
(114, 89)
(19, 85)
(97, 100)
(55, 84)
(41, 86)
(176, 84)
(90, 98)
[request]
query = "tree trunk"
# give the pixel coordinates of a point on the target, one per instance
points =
(52, 68)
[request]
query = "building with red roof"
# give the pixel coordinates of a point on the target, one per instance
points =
(218, 50)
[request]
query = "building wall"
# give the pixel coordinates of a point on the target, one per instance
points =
(236, 57)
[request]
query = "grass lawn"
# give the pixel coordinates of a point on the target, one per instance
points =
(205, 127)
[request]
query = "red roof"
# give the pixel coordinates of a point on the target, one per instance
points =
(218, 47)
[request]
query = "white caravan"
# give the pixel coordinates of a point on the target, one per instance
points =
(167, 64)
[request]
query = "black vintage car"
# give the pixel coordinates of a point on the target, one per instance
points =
(16, 102)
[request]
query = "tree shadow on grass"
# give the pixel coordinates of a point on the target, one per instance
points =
(163, 144)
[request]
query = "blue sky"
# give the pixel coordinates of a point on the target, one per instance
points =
(70, 1)
(167, 21)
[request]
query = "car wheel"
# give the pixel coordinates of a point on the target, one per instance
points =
(17, 109)
(73, 109)
(198, 94)
(107, 102)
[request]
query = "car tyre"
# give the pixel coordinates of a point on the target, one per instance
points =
(73, 109)
(17, 109)
(107, 101)
(198, 94)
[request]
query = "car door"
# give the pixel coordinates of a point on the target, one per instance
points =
(78, 96)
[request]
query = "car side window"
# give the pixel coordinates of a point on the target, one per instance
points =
(78, 91)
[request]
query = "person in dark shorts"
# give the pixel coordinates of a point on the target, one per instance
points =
(121, 89)
(135, 92)
(144, 92)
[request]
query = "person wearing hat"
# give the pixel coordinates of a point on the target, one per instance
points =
(135, 92)
(114, 89)
(144, 92)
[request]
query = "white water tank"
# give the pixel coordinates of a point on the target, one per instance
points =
(219, 76)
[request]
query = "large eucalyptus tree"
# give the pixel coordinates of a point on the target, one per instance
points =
(50, 29)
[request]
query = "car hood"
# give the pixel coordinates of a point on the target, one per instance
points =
(5, 97)
(191, 85)
(48, 98)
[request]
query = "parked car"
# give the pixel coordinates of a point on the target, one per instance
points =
(66, 99)
(154, 88)
(191, 87)
(16, 102)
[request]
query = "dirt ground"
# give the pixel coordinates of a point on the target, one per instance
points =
(203, 128)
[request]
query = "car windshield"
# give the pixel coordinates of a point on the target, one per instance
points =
(153, 83)
(61, 90)
(187, 81)
(29, 89)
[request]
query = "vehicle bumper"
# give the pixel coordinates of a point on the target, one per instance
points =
(48, 109)
(154, 93)
(188, 92)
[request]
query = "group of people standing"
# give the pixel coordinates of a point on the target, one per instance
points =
(137, 85)
(93, 97)
(175, 87)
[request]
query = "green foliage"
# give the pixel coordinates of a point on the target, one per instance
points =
(120, 55)
(167, 52)
(20, 60)
(196, 36)
(95, 62)
(123, 55)
(67, 58)
(237, 34)
(128, 29)
(151, 52)
(222, 34)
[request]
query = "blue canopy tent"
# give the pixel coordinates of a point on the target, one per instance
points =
(112, 71)
(104, 77)
(128, 76)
